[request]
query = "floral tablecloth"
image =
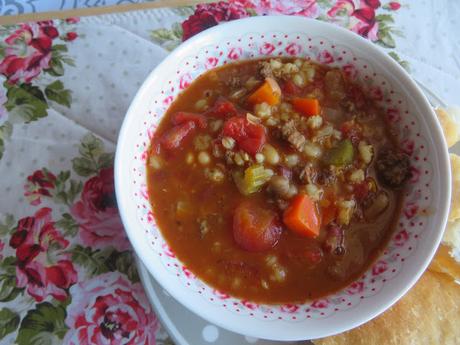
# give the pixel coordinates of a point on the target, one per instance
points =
(12, 7)
(67, 273)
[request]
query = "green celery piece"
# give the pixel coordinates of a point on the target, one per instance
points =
(340, 155)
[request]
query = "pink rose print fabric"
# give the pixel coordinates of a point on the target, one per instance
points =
(34, 55)
(69, 261)
(360, 16)
(208, 15)
(38, 185)
(97, 213)
(109, 307)
(30, 50)
(35, 238)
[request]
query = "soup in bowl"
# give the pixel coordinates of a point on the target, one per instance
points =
(282, 183)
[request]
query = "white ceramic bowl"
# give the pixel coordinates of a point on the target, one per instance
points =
(416, 237)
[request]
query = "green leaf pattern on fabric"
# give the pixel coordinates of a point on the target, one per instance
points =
(386, 30)
(7, 225)
(93, 158)
(68, 225)
(168, 38)
(184, 11)
(56, 92)
(402, 62)
(124, 262)
(5, 133)
(43, 325)
(66, 189)
(93, 261)
(25, 103)
(98, 261)
(8, 289)
(9, 321)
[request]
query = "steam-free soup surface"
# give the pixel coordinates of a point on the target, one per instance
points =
(275, 180)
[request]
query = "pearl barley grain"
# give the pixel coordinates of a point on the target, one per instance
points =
(271, 155)
(260, 158)
(204, 158)
(189, 158)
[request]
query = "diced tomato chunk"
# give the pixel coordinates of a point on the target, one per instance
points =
(173, 138)
(313, 255)
(249, 136)
(352, 131)
(334, 241)
(329, 213)
(223, 109)
(183, 117)
(361, 190)
(309, 254)
(255, 228)
(290, 89)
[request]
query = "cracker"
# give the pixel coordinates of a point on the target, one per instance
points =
(452, 236)
(428, 314)
(445, 263)
(455, 202)
(450, 126)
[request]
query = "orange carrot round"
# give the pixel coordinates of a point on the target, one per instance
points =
(302, 216)
(269, 92)
(306, 106)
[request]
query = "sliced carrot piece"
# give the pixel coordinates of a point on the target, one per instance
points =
(302, 216)
(269, 92)
(306, 106)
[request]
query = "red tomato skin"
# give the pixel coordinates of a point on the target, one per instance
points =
(255, 229)
(314, 256)
(173, 138)
(250, 137)
(352, 131)
(361, 190)
(334, 240)
(289, 88)
(182, 117)
(223, 109)
(309, 256)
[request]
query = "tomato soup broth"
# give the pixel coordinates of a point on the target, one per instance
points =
(276, 181)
